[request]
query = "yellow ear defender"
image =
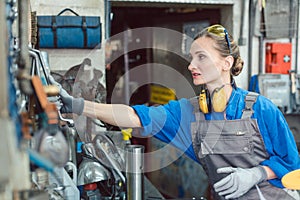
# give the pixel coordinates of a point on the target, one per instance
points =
(219, 99)
(217, 102)
(204, 101)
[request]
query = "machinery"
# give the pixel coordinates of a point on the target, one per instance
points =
(280, 83)
(42, 154)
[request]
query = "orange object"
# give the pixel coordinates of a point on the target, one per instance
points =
(292, 180)
(26, 122)
(49, 108)
(51, 112)
(278, 58)
(90, 186)
(39, 90)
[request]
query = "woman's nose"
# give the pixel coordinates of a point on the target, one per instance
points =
(191, 66)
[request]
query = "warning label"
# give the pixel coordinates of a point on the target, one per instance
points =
(161, 95)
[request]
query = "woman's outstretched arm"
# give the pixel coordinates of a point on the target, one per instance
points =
(115, 114)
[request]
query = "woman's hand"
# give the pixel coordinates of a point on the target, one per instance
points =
(239, 181)
(69, 103)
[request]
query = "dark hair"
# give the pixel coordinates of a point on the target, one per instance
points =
(222, 47)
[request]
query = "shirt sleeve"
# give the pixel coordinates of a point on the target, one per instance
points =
(279, 140)
(169, 123)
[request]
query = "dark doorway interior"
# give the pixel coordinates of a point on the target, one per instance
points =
(140, 16)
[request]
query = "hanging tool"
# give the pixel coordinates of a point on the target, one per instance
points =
(51, 143)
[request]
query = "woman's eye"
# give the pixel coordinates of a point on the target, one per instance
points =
(201, 56)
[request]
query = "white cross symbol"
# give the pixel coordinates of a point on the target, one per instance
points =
(286, 58)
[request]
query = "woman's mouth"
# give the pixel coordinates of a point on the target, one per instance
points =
(195, 75)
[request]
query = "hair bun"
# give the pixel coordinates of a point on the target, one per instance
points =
(237, 66)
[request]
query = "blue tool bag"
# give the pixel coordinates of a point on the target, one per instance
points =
(58, 31)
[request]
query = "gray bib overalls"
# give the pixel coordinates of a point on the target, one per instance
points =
(235, 143)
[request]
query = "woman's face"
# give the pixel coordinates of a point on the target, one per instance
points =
(207, 64)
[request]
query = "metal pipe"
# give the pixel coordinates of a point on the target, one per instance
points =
(297, 37)
(35, 67)
(23, 35)
(126, 66)
(40, 58)
(260, 54)
(107, 18)
(71, 134)
(291, 20)
(250, 36)
(134, 172)
(241, 38)
(23, 57)
(3, 63)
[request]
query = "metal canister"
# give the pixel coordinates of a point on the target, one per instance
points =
(135, 172)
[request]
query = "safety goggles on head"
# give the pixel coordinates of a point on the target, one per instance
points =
(220, 31)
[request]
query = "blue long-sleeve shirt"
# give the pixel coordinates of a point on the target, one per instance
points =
(171, 123)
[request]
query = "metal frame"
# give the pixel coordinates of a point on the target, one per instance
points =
(179, 1)
(3, 63)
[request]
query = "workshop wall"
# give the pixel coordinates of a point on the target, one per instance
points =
(63, 59)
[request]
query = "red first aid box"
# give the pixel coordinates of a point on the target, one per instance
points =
(278, 58)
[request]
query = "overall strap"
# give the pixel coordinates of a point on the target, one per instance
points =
(249, 102)
(195, 102)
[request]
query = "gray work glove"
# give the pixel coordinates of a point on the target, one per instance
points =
(239, 181)
(70, 104)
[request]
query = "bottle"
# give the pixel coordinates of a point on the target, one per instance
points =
(126, 136)
(126, 133)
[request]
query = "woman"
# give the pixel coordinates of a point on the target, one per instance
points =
(240, 138)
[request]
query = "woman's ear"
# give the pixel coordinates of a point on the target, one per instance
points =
(228, 63)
